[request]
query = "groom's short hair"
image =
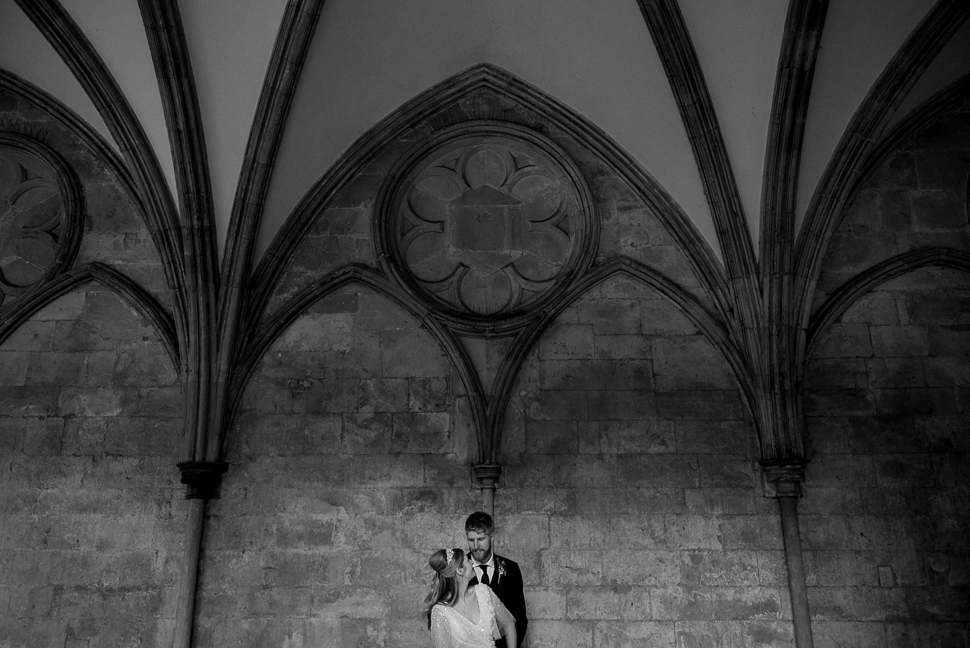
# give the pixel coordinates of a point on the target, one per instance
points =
(479, 521)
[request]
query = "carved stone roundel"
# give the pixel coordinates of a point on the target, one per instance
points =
(32, 218)
(488, 223)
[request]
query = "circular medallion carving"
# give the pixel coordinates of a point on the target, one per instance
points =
(34, 226)
(488, 221)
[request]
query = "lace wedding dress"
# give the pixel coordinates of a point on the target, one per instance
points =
(451, 630)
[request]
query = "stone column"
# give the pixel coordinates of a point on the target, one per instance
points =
(202, 479)
(784, 483)
(487, 476)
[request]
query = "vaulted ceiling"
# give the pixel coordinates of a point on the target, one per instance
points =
(656, 76)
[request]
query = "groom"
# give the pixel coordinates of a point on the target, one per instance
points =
(499, 573)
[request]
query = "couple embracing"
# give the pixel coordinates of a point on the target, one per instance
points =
(476, 598)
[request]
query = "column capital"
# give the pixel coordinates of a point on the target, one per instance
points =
(202, 478)
(782, 480)
(487, 474)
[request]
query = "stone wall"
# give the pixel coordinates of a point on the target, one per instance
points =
(885, 524)
(349, 467)
(630, 491)
(887, 416)
(630, 495)
(91, 512)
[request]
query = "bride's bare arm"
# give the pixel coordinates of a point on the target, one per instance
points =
(505, 621)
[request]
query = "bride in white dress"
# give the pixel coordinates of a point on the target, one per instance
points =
(460, 616)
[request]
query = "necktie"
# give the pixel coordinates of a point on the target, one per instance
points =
(484, 574)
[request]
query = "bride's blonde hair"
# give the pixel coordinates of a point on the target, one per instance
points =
(444, 585)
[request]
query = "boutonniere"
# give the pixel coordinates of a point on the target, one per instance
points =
(501, 569)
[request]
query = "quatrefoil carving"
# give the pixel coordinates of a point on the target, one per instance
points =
(35, 216)
(488, 223)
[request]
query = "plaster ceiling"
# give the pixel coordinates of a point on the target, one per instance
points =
(367, 57)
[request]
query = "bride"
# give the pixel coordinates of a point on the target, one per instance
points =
(460, 616)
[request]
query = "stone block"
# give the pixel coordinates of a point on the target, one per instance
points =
(331, 396)
(946, 372)
(75, 401)
(572, 567)
(558, 406)
(355, 222)
(545, 603)
(33, 335)
(382, 471)
(647, 436)
(689, 363)
(726, 471)
(940, 210)
(711, 437)
(367, 433)
(755, 532)
(924, 635)
(748, 603)
(159, 402)
(649, 500)
(429, 394)
(903, 470)
(682, 604)
(927, 400)
(620, 405)
(274, 435)
(383, 395)
(719, 501)
(936, 307)
(84, 436)
(838, 373)
(772, 569)
(895, 211)
(320, 332)
(551, 437)
(846, 569)
(14, 366)
(714, 405)
(421, 433)
(585, 471)
(412, 354)
(360, 191)
(875, 307)
(899, 341)
(610, 316)
(66, 307)
(243, 533)
(856, 604)
(665, 470)
(845, 340)
(767, 632)
(322, 433)
(363, 360)
(140, 369)
(662, 317)
(575, 375)
(304, 534)
(841, 471)
(635, 531)
(895, 373)
(949, 340)
(560, 634)
(42, 436)
(846, 402)
(622, 347)
(567, 342)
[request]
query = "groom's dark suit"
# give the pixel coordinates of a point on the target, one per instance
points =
(506, 582)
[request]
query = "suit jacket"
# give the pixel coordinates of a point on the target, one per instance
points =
(506, 582)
